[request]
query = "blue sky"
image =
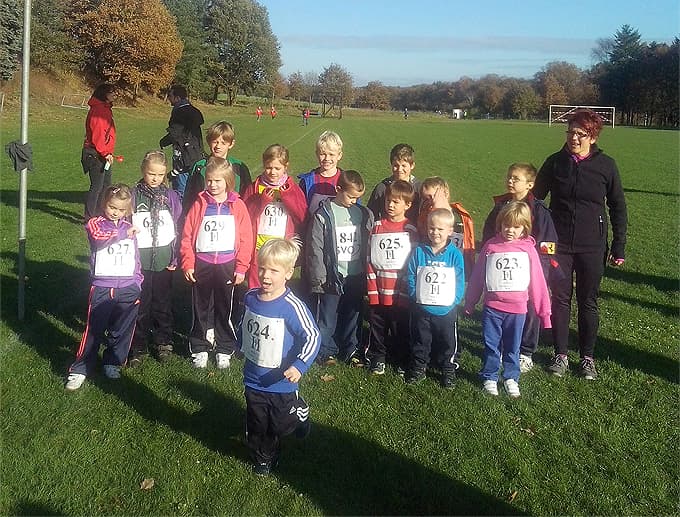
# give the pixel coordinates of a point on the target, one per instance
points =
(402, 43)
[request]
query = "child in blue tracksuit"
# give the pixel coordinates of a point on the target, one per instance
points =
(116, 282)
(280, 341)
(436, 282)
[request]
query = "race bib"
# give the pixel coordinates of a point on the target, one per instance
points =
(315, 201)
(435, 285)
(457, 240)
(507, 271)
(390, 250)
(118, 259)
(273, 220)
(262, 339)
(217, 233)
(166, 228)
(347, 238)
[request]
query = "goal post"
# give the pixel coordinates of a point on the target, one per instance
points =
(560, 112)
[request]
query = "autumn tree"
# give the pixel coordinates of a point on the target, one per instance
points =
(247, 51)
(133, 43)
(11, 24)
(374, 95)
(336, 83)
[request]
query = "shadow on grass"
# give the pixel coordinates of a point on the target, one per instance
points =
(638, 191)
(343, 473)
(33, 508)
(660, 283)
(44, 202)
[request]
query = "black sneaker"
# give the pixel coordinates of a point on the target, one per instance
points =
(262, 469)
(164, 352)
(449, 379)
(415, 376)
(378, 368)
(587, 369)
(559, 365)
(355, 360)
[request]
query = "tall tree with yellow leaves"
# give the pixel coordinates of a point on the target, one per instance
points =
(132, 43)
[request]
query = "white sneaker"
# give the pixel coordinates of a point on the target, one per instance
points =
(112, 371)
(491, 387)
(525, 363)
(74, 381)
(223, 361)
(200, 360)
(210, 336)
(512, 388)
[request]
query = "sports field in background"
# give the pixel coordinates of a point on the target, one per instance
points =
(609, 447)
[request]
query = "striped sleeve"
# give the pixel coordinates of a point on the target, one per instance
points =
(306, 333)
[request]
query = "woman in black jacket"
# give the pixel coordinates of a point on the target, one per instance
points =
(581, 179)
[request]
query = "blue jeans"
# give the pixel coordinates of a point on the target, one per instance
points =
(338, 319)
(502, 333)
(179, 183)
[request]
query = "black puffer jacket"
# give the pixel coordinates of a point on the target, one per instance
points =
(578, 195)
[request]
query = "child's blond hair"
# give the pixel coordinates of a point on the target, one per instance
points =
(156, 156)
(329, 141)
(222, 166)
(220, 129)
(118, 191)
(443, 215)
(280, 252)
(515, 213)
(434, 182)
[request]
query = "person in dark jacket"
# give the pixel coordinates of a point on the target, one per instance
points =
(100, 140)
(582, 182)
(184, 134)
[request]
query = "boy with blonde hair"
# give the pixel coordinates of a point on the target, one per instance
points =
(280, 341)
(436, 281)
(319, 183)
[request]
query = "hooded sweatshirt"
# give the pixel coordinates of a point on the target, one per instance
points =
(509, 273)
(100, 131)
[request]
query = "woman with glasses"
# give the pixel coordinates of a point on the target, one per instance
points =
(582, 181)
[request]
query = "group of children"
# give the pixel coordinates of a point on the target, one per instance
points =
(237, 241)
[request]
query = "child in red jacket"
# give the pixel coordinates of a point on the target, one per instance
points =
(216, 249)
(276, 204)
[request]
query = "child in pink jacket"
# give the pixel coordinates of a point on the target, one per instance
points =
(508, 272)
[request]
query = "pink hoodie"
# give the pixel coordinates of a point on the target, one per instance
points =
(514, 302)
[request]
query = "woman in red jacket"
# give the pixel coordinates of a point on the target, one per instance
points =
(100, 140)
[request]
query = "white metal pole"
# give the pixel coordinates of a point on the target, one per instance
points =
(23, 173)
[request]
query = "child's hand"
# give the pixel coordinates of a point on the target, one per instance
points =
(239, 278)
(292, 374)
(268, 193)
(189, 275)
(132, 231)
(286, 185)
(440, 199)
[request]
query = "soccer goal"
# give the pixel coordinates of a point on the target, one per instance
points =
(560, 112)
(74, 100)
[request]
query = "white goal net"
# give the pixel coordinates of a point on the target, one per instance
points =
(74, 100)
(560, 112)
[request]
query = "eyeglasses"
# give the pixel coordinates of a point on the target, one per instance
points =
(515, 179)
(578, 134)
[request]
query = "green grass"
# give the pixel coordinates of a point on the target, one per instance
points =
(377, 447)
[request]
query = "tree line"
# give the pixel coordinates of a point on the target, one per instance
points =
(222, 48)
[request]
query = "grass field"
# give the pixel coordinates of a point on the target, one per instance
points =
(568, 446)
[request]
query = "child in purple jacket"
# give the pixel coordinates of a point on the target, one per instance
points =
(116, 282)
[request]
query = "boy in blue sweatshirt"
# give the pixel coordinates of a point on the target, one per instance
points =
(436, 282)
(280, 340)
